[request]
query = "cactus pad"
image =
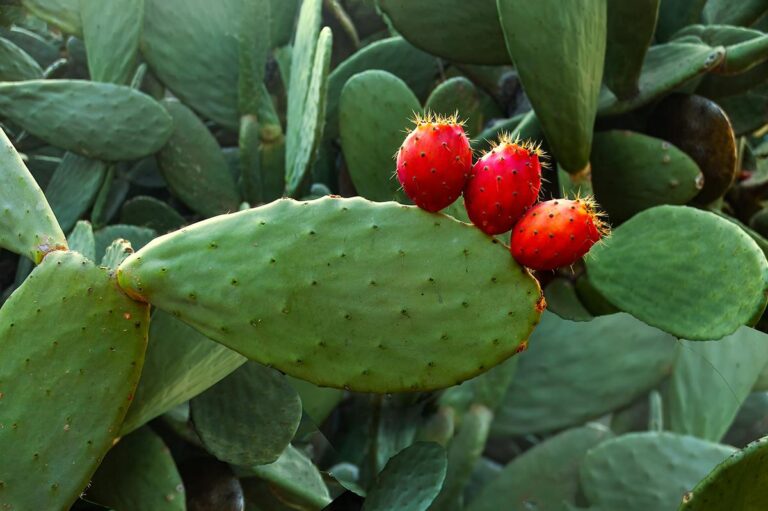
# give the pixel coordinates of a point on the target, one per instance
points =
(686, 271)
(73, 346)
(16, 64)
(111, 32)
(27, 224)
(381, 310)
(99, 120)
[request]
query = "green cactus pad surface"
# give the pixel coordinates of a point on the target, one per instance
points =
(27, 223)
(99, 120)
(381, 310)
(561, 80)
(394, 55)
(632, 172)
(73, 346)
(81, 239)
(545, 476)
(375, 112)
(180, 364)
(458, 31)
(721, 372)
(16, 64)
(254, 45)
(744, 48)
(138, 473)
(193, 48)
(193, 165)
(740, 482)
(317, 402)
(487, 389)
(111, 31)
(410, 481)
(563, 300)
(458, 95)
(64, 14)
(686, 271)
(625, 49)
(666, 67)
(73, 188)
(675, 14)
(663, 467)
(305, 125)
(116, 253)
(249, 417)
(295, 478)
(561, 378)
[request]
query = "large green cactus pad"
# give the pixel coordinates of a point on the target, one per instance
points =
(16, 64)
(73, 346)
(740, 482)
(249, 417)
(180, 364)
(193, 48)
(663, 467)
(632, 172)
(685, 271)
(456, 30)
(193, 165)
(410, 481)
(562, 80)
(138, 473)
(374, 114)
(100, 120)
(711, 380)
(561, 380)
(111, 31)
(545, 476)
(27, 224)
(380, 310)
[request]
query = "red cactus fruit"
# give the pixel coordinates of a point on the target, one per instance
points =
(556, 233)
(503, 184)
(434, 161)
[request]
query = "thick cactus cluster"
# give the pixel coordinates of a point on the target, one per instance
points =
(383, 255)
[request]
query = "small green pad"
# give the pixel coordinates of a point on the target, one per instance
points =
(193, 165)
(380, 310)
(456, 30)
(180, 364)
(458, 95)
(374, 115)
(64, 14)
(138, 473)
(99, 120)
(73, 187)
(740, 482)
(16, 64)
(685, 271)
(562, 80)
(249, 417)
(27, 224)
(632, 172)
(562, 379)
(73, 347)
(111, 31)
(543, 477)
(410, 481)
(644, 471)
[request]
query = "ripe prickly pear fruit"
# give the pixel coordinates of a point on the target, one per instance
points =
(503, 184)
(434, 161)
(556, 233)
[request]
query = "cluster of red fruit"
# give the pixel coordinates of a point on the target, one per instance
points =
(434, 167)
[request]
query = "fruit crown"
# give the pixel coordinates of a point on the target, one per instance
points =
(598, 216)
(430, 117)
(505, 138)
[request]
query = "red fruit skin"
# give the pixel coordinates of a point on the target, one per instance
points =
(555, 233)
(433, 164)
(502, 185)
